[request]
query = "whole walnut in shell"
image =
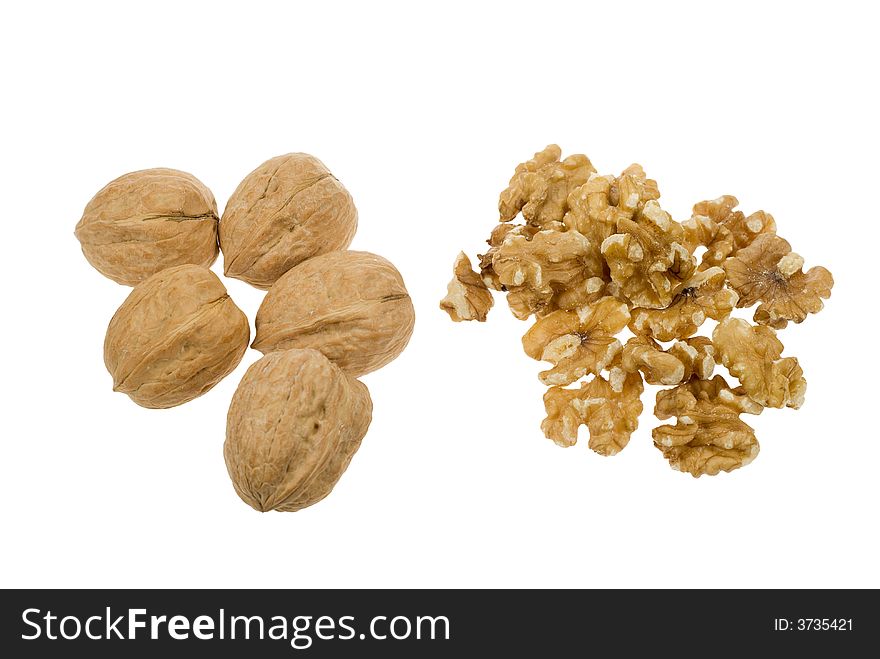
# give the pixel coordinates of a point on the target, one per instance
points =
(175, 336)
(293, 426)
(287, 210)
(146, 221)
(351, 306)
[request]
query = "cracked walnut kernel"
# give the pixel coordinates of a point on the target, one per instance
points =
(646, 258)
(709, 436)
(722, 230)
(533, 268)
(540, 186)
(706, 227)
(609, 408)
(577, 343)
(596, 253)
(585, 290)
(467, 297)
(487, 273)
(643, 354)
(598, 205)
(703, 296)
(769, 272)
(698, 356)
(752, 354)
(673, 366)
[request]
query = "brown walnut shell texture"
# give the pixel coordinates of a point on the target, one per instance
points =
(353, 307)
(289, 209)
(175, 336)
(293, 426)
(146, 221)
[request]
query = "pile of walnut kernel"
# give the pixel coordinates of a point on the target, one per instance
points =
(596, 254)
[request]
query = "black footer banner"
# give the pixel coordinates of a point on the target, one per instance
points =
(433, 623)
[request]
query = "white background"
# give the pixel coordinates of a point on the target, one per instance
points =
(423, 112)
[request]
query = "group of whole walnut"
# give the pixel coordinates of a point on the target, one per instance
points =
(597, 254)
(329, 316)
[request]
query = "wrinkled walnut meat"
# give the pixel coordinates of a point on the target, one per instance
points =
(767, 271)
(752, 354)
(577, 343)
(703, 296)
(540, 186)
(647, 260)
(682, 360)
(467, 297)
(722, 230)
(533, 268)
(594, 254)
(595, 208)
(709, 436)
(609, 408)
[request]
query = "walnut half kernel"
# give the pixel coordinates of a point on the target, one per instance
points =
(533, 268)
(753, 355)
(540, 186)
(647, 259)
(722, 230)
(709, 436)
(770, 273)
(682, 360)
(609, 408)
(586, 255)
(577, 343)
(703, 296)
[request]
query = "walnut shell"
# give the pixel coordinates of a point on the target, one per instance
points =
(175, 336)
(146, 221)
(287, 210)
(294, 424)
(351, 306)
